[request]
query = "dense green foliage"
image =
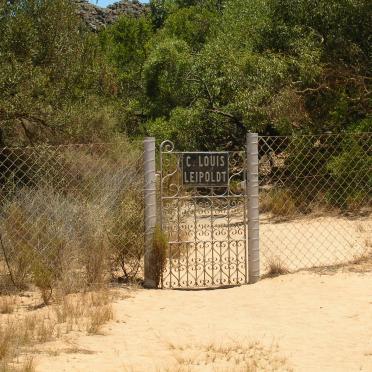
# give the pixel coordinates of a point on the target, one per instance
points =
(215, 69)
(55, 84)
(199, 72)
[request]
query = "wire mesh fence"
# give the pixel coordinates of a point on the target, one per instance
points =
(71, 214)
(315, 200)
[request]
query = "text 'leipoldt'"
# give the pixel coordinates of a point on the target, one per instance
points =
(205, 169)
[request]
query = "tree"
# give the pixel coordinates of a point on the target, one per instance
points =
(192, 24)
(54, 82)
(276, 67)
(125, 45)
(166, 77)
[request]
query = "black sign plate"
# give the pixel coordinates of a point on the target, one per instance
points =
(205, 169)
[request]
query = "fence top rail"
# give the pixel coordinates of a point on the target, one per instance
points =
(202, 152)
(72, 145)
(355, 134)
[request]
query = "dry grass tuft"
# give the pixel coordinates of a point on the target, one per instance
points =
(361, 263)
(360, 259)
(275, 267)
(101, 298)
(27, 366)
(34, 328)
(360, 227)
(228, 356)
(7, 340)
(86, 312)
(98, 317)
(279, 202)
(7, 304)
(46, 295)
(159, 255)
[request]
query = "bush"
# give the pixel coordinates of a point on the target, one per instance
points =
(159, 255)
(39, 242)
(127, 233)
(351, 174)
(82, 213)
(279, 202)
(55, 82)
(315, 172)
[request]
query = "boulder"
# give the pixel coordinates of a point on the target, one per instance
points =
(98, 18)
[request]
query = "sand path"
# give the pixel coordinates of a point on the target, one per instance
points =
(320, 323)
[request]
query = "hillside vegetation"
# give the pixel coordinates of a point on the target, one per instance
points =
(199, 72)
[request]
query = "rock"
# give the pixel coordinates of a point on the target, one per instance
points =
(98, 18)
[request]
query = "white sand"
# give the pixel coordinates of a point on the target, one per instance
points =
(320, 323)
(310, 242)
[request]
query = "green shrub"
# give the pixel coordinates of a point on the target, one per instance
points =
(55, 81)
(331, 171)
(351, 174)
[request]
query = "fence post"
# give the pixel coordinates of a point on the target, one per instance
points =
(150, 209)
(253, 212)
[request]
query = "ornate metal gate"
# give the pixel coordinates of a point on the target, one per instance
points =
(206, 226)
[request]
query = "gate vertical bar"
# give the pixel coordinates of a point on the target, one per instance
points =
(150, 209)
(253, 212)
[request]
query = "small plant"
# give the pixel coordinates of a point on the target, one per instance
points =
(87, 311)
(279, 202)
(361, 259)
(356, 200)
(45, 330)
(159, 254)
(7, 304)
(275, 267)
(7, 341)
(350, 170)
(229, 356)
(95, 260)
(126, 234)
(98, 317)
(43, 279)
(100, 298)
(28, 365)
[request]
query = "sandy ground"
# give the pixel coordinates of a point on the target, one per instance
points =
(309, 242)
(320, 321)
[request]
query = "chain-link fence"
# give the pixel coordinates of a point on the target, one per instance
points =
(71, 215)
(315, 200)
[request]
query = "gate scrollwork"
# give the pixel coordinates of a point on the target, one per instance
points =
(206, 226)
